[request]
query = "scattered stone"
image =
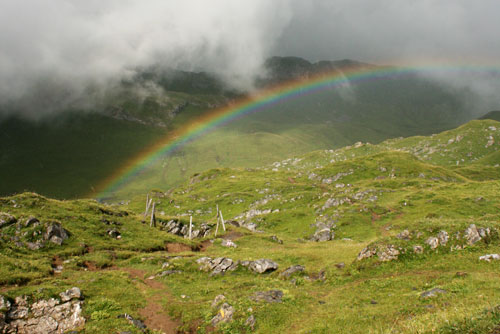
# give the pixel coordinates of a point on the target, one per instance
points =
(373, 302)
(418, 249)
(114, 234)
(340, 265)
(73, 293)
(225, 314)
(271, 296)
(461, 274)
(324, 234)
(35, 245)
(433, 242)
(443, 238)
(263, 265)
(489, 257)
(55, 233)
(134, 322)
(228, 243)
(218, 265)
(177, 227)
(6, 219)
(250, 322)
(366, 253)
(432, 293)
(276, 239)
(31, 221)
(292, 270)
(388, 254)
(472, 234)
(168, 273)
(404, 235)
(218, 299)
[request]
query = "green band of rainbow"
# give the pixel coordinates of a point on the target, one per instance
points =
(260, 102)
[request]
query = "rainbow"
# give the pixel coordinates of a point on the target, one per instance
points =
(259, 102)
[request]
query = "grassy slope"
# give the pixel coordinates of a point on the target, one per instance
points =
(415, 189)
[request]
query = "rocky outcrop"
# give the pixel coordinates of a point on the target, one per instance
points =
(225, 314)
(179, 228)
(218, 265)
(271, 296)
(262, 266)
(292, 270)
(489, 257)
(55, 233)
(44, 316)
(6, 219)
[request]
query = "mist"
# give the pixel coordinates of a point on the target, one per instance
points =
(57, 53)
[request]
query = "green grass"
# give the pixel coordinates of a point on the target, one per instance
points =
(385, 188)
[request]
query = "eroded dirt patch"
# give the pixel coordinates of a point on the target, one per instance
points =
(176, 247)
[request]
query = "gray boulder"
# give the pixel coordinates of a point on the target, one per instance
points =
(489, 257)
(271, 296)
(389, 253)
(432, 293)
(263, 265)
(292, 270)
(225, 314)
(433, 242)
(443, 238)
(73, 293)
(228, 243)
(366, 253)
(55, 233)
(324, 234)
(472, 234)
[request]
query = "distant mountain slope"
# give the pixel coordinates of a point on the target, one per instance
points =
(495, 115)
(131, 117)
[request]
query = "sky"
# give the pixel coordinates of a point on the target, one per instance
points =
(74, 44)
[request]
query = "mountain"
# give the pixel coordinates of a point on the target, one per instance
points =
(55, 157)
(402, 237)
(494, 115)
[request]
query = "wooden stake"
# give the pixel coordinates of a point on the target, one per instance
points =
(190, 226)
(217, 216)
(153, 218)
(148, 206)
(222, 220)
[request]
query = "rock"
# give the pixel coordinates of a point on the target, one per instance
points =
(4, 304)
(44, 316)
(432, 293)
(443, 238)
(177, 227)
(250, 322)
(218, 299)
(6, 219)
(433, 242)
(388, 254)
(366, 253)
(55, 233)
(418, 249)
(250, 226)
(404, 235)
(484, 232)
(228, 243)
(263, 265)
(114, 233)
(168, 273)
(31, 221)
(324, 234)
(73, 293)
(292, 270)
(218, 265)
(134, 322)
(225, 314)
(472, 234)
(340, 265)
(271, 296)
(276, 239)
(35, 245)
(489, 257)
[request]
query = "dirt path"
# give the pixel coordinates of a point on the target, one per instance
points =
(155, 317)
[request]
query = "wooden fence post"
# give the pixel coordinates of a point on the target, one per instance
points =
(153, 217)
(190, 226)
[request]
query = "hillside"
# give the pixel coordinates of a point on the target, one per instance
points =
(397, 237)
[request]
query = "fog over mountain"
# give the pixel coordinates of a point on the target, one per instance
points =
(77, 48)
